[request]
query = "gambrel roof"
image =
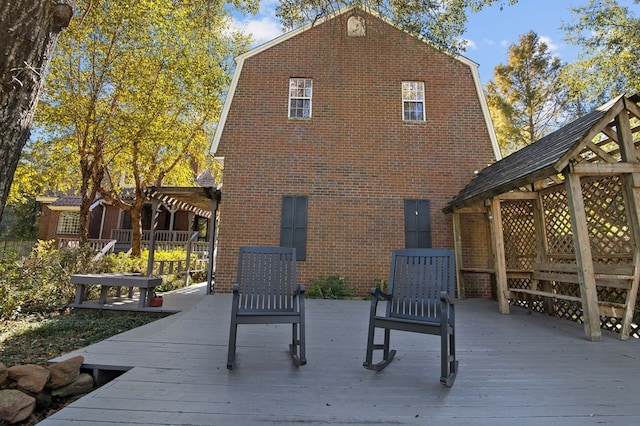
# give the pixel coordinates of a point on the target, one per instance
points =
(241, 58)
(550, 155)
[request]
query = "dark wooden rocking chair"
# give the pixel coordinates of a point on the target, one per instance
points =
(420, 299)
(267, 293)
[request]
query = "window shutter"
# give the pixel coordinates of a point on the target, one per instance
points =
(417, 223)
(293, 228)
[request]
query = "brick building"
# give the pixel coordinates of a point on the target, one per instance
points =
(345, 139)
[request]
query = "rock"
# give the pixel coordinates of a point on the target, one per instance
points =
(3, 376)
(84, 384)
(65, 372)
(15, 406)
(44, 399)
(31, 378)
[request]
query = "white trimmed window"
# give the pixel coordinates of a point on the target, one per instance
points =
(300, 93)
(68, 223)
(413, 101)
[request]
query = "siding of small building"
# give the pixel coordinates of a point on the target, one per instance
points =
(355, 159)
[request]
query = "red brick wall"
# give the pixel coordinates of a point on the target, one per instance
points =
(355, 160)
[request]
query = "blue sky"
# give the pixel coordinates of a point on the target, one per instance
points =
(489, 32)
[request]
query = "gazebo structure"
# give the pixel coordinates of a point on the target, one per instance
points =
(202, 201)
(563, 222)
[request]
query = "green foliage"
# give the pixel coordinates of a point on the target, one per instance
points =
(442, 22)
(123, 262)
(40, 283)
(609, 64)
(526, 98)
(332, 287)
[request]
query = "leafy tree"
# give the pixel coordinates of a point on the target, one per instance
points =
(526, 97)
(442, 21)
(29, 31)
(132, 93)
(36, 24)
(609, 64)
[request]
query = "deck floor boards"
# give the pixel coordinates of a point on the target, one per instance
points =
(514, 369)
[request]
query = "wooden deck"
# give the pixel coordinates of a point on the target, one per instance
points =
(514, 369)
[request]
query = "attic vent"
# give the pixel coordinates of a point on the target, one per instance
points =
(356, 26)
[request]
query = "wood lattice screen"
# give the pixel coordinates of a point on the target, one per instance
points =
(610, 237)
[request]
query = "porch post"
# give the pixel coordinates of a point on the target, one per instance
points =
(500, 263)
(212, 244)
(584, 259)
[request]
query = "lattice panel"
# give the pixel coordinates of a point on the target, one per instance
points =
(519, 233)
(558, 223)
(608, 225)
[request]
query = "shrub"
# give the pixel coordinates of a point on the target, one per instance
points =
(332, 287)
(40, 283)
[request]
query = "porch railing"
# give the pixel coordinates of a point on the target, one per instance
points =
(125, 235)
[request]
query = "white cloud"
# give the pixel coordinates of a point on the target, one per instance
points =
(550, 44)
(470, 44)
(262, 29)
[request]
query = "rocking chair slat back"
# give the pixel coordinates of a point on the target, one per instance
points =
(416, 281)
(267, 278)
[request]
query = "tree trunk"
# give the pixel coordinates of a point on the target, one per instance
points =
(136, 228)
(29, 30)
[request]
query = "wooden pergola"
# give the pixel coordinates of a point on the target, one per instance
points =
(564, 220)
(202, 201)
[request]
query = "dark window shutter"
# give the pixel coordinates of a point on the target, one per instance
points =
(417, 224)
(293, 227)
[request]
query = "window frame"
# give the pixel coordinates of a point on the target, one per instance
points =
(304, 94)
(68, 223)
(418, 90)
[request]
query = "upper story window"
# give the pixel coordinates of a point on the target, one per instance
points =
(413, 101)
(68, 223)
(300, 93)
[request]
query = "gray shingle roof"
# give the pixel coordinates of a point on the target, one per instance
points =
(530, 164)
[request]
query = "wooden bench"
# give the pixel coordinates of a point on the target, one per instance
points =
(619, 277)
(105, 281)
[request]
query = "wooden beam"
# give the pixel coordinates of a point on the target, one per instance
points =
(457, 244)
(597, 127)
(632, 108)
(604, 169)
(601, 152)
(582, 246)
(500, 263)
(518, 196)
(632, 200)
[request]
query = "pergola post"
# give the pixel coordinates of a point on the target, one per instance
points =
(632, 198)
(152, 245)
(584, 260)
(500, 263)
(457, 244)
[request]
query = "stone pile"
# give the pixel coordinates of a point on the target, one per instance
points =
(23, 388)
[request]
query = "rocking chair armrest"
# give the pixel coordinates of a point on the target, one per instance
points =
(236, 288)
(379, 294)
(447, 311)
(299, 290)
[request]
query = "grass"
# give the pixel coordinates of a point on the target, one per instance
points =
(38, 338)
(35, 339)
